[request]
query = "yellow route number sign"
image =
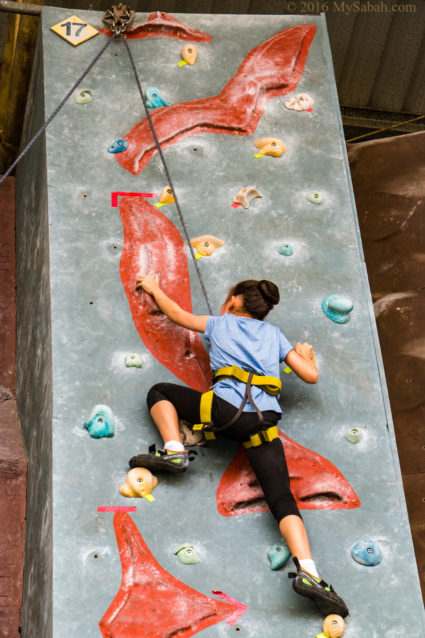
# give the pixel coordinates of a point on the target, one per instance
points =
(74, 30)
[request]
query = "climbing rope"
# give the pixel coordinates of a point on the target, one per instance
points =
(118, 19)
(170, 182)
(55, 112)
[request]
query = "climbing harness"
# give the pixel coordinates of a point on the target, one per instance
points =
(118, 19)
(271, 385)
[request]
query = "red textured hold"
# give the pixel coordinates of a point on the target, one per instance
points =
(151, 603)
(315, 483)
(161, 23)
(270, 70)
(153, 246)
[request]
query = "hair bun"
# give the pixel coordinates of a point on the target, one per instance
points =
(270, 291)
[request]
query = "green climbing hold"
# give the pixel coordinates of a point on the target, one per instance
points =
(133, 361)
(353, 435)
(187, 555)
(83, 97)
(315, 198)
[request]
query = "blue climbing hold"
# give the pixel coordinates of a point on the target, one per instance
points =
(367, 553)
(118, 146)
(278, 555)
(154, 99)
(285, 249)
(101, 422)
(337, 308)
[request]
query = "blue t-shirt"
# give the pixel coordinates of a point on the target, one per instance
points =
(251, 344)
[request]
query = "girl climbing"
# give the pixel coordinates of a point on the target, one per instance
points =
(242, 406)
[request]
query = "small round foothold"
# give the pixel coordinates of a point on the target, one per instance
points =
(278, 555)
(315, 197)
(353, 435)
(186, 554)
(367, 553)
(333, 626)
(133, 361)
(118, 146)
(83, 97)
(190, 53)
(337, 308)
(285, 249)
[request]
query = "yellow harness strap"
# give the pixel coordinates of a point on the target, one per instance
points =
(205, 414)
(271, 385)
(265, 436)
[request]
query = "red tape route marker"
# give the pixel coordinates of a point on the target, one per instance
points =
(118, 508)
(241, 608)
(115, 195)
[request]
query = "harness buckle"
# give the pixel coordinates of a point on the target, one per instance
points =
(118, 18)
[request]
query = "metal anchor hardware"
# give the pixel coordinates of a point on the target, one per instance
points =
(118, 18)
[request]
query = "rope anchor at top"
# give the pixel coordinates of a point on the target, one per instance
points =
(118, 18)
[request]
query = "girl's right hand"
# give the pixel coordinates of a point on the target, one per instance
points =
(305, 350)
(148, 283)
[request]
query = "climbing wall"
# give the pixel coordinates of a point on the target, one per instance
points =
(109, 344)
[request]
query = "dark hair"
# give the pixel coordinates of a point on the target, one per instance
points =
(259, 297)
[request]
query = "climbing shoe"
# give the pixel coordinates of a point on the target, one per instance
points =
(163, 460)
(324, 595)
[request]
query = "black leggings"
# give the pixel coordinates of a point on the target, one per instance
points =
(267, 460)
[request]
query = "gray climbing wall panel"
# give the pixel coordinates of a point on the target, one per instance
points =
(93, 331)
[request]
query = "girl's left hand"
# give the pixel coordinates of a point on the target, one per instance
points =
(148, 283)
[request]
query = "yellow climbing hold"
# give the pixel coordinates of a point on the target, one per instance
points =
(205, 245)
(270, 146)
(166, 197)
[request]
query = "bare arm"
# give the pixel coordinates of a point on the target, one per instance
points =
(302, 361)
(171, 308)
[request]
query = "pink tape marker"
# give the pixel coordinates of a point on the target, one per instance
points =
(115, 195)
(117, 508)
(241, 608)
(235, 204)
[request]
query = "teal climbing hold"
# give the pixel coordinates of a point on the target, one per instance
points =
(101, 422)
(133, 361)
(278, 556)
(285, 249)
(118, 146)
(367, 553)
(337, 308)
(187, 555)
(353, 435)
(315, 197)
(154, 99)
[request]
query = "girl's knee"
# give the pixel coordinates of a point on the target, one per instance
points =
(155, 394)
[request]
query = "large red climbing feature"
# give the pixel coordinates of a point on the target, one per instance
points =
(153, 246)
(161, 23)
(272, 69)
(151, 603)
(315, 483)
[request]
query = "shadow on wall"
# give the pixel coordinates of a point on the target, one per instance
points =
(389, 186)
